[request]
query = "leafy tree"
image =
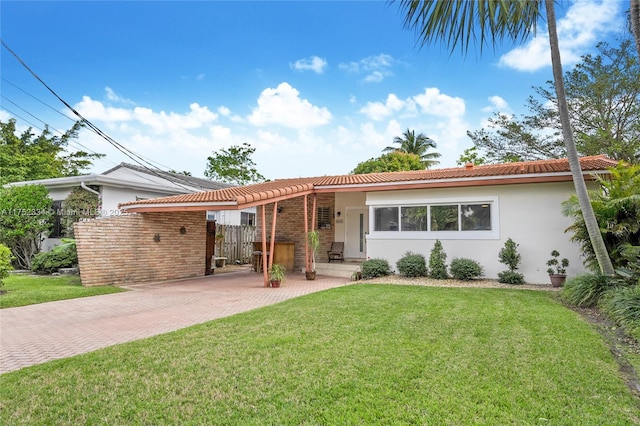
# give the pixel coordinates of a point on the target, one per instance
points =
(409, 143)
(471, 155)
(30, 157)
(5, 263)
(25, 217)
(603, 94)
(493, 20)
(395, 161)
(616, 204)
(80, 204)
(233, 165)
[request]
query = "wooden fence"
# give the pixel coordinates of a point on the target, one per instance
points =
(237, 244)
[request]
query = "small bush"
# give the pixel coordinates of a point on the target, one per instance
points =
(510, 277)
(509, 256)
(437, 262)
(622, 305)
(62, 256)
(465, 269)
(5, 263)
(412, 265)
(373, 268)
(585, 290)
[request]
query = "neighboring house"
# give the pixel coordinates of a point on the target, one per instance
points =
(128, 182)
(472, 210)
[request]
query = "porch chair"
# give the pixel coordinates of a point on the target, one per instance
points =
(336, 252)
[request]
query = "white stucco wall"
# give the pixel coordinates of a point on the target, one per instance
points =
(530, 214)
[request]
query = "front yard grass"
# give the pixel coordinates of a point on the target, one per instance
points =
(21, 290)
(360, 354)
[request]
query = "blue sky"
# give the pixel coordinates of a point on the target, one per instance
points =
(315, 86)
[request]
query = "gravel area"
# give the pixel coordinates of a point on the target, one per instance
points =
(479, 283)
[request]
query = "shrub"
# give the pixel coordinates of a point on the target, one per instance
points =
(412, 265)
(5, 263)
(437, 262)
(622, 305)
(585, 290)
(465, 269)
(509, 256)
(373, 268)
(510, 277)
(62, 256)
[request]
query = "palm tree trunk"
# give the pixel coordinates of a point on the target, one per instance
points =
(604, 261)
(634, 17)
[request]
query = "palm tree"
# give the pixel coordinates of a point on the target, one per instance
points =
(459, 22)
(634, 19)
(409, 143)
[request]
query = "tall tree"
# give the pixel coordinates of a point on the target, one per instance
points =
(409, 143)
(233, 165)
(459, 23)
(634, 19)
(30, 157)
(395, 161)
(603, 93)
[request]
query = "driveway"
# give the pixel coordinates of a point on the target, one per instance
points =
(39, 333)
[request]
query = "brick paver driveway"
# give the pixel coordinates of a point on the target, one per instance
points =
(36, 334)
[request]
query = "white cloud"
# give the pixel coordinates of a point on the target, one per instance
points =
(496, 103)
(585, 23)
(314, 63)
(432, 102)
(283, 106)
(114, 97)
(378, 111)
(376, 68)
(96, 110)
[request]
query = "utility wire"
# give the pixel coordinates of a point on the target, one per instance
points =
(41, 101)
(132, 155)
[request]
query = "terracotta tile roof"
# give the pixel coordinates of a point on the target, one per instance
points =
(265, 192)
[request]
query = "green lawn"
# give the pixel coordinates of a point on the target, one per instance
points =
(24, 290)
(360, 354)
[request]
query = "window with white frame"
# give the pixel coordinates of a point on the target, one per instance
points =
(441, 217)
(248, 219)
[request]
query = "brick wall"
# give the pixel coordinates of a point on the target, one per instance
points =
(290, 225)
(121, 249)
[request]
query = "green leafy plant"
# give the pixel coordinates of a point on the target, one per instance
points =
(509, 256)
(622, 305)
(313, 242)
(437, 262)
(5, 263)
(556, 265)
(585, 290)
(373, 268)
(465, 269)
(64, 255)
(412, 265)
(277, 272)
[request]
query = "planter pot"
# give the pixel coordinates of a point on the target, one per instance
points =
(310, 275)
(557, 280)
(274, 283)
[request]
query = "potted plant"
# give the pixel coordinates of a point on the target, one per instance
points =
(313, 242)
(276, 275)
(557, 269)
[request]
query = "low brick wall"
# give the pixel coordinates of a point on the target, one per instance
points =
(123, 249)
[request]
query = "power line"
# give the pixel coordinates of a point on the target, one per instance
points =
(130, 154)
(41, 101)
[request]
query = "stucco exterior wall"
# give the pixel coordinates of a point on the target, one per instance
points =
(530, 214)
(123, 249)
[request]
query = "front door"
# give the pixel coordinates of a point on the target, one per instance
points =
(356, 229)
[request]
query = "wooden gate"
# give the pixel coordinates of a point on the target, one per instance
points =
(235, 242)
